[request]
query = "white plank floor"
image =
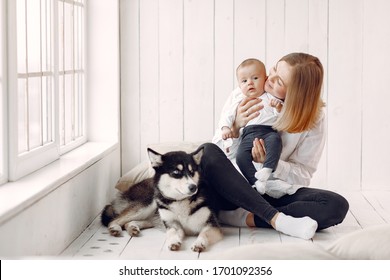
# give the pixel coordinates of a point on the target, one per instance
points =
(366, 209)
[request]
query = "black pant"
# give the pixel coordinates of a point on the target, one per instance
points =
(273, 146)
(228, 190)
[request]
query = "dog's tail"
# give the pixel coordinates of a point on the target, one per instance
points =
(108, 215)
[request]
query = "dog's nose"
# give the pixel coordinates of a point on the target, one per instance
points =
(193, 188)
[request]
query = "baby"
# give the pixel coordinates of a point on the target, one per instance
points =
(251, 76)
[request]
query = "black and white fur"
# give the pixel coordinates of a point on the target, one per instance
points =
(173, 196)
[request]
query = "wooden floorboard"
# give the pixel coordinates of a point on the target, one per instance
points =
(148, 245)
(103, 245)
(366, 209)
(380, 201)
(362, 210)
(88, 233)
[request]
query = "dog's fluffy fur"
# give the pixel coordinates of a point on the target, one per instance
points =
(173, 196)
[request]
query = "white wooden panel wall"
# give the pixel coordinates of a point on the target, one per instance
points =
(224, 64)
(171, 110)
(130, 83)
(375, 139)
(179, 59)
(198, 69)
(345, 92)
(3, 99)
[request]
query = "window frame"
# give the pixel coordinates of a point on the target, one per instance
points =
(80, 140)
(21, 164)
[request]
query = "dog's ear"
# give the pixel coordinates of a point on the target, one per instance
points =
(197, 155)
(155, 158)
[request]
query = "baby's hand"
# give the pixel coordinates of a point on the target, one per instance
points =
(226, 133)
(227, 136)
(277, 104)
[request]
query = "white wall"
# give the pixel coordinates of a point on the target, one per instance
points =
(178, 59)
(49, 225)
(103, 70)
(3, 99)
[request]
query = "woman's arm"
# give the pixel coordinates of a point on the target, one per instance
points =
(227, 116)
(301, 164)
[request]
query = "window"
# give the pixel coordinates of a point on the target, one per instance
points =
(71, 71)
(35, 68)
(46, 73)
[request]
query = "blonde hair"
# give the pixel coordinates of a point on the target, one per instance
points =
(303, 103)
(251, 61)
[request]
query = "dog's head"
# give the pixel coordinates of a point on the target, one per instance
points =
(177, 173)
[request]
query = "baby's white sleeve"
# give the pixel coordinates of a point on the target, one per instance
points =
(229, 109)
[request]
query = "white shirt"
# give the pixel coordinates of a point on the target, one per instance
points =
(301, 153)
(268, 114)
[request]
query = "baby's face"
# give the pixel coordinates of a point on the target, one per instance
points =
(251, 79)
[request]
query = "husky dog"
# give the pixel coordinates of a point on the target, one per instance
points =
(173, 196)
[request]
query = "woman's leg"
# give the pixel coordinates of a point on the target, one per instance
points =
(228, 188)
(326, 207)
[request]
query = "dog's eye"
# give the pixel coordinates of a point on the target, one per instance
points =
(176, 172)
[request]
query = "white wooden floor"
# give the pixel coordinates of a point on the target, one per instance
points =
(366, 209)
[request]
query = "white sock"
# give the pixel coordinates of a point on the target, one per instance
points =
(304, 228)
(279, 188)
(235, 218)
(263, 174)
(260, 186)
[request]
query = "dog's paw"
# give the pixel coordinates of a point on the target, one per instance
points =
(115, 230)
(198, 247)
(174, 246)
(133, 230)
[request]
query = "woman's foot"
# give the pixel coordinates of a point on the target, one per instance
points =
(304, 227)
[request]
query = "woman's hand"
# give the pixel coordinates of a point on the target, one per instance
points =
(258, 151)
(247, 110)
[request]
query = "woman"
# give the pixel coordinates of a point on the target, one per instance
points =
(298, 77)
